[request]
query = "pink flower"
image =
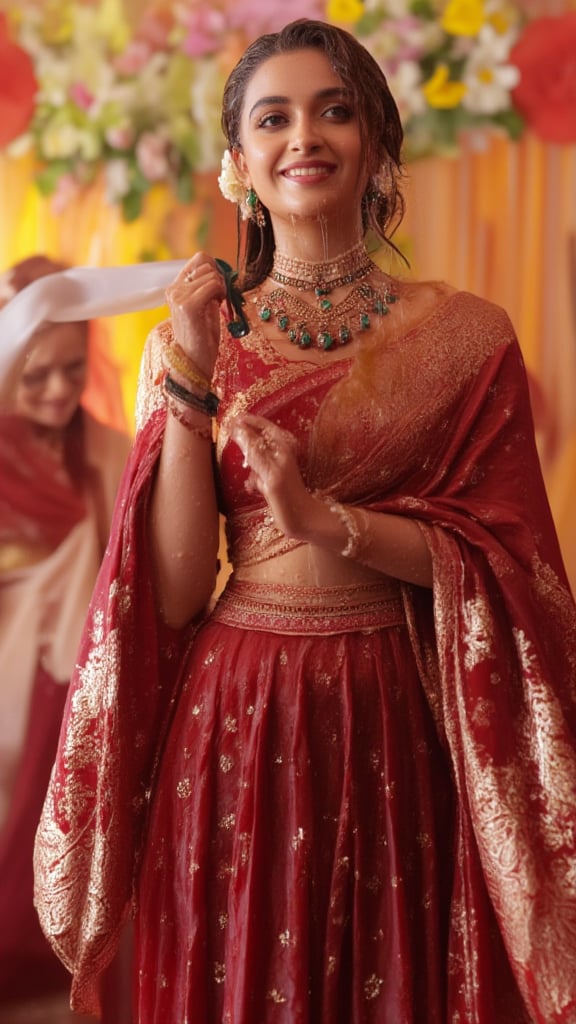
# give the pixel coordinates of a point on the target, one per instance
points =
(152, 156)
(204, 30)
(257, 16)
(155, 29)
(66, 190)
(81, 95)
(546, 94)
(120, 137)
(134, 58)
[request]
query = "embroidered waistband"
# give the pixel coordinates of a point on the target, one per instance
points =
(297, 610)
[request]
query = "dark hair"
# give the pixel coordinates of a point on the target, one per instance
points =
(380, 126)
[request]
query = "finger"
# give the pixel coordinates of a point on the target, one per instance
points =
(200, 291)
(258, 425)
(194, 266)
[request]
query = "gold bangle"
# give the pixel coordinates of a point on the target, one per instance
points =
(177, 360)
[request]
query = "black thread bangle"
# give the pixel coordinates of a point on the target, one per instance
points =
(208, 403)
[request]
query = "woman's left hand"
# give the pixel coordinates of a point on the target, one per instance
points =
(270, 454)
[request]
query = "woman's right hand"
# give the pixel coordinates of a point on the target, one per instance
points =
(194, 300)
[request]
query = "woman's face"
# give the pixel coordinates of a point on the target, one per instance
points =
(51, 384)
(300, 136)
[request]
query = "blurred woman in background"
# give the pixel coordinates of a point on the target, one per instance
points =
(59, 470)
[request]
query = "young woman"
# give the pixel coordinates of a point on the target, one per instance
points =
(343, 793)
(59, 470)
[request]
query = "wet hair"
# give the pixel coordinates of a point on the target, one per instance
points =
(380, 128)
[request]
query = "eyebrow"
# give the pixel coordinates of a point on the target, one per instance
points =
(323, 94)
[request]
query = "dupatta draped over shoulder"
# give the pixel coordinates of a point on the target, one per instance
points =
(435, 425)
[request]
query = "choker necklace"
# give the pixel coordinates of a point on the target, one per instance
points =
(327, 325)
(323, 278)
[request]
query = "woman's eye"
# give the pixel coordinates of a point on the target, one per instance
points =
(34, 380)
(271, 120)
(339, 112)
(77, 368)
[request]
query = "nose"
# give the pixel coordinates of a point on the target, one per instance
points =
(306, 137)
(58, 386)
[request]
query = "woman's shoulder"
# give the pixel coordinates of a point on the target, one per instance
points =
(459, 309)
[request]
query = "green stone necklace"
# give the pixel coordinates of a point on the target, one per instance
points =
(328, 325)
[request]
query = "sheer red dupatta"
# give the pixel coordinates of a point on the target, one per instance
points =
(38, 503)
(452, 445)
(118, 706)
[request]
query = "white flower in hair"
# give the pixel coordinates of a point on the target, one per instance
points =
(7, 289)
(230, 185)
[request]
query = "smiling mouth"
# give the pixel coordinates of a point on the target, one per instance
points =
(306, 172)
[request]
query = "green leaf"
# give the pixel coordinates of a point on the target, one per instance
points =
(185, 187)
(47, 179)
(370, 22)
(512, 122)
(132, 205)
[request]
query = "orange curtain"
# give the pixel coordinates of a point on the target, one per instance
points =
(500, 220)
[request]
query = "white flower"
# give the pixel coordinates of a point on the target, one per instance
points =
(117, 177)
(487, 76)
(205, 107)
(59, 141)
(230, 185)
(406, 86)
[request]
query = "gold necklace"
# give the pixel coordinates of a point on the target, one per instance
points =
(329, 325)
(322, 278)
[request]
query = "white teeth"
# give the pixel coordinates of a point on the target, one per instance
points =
(305, 172)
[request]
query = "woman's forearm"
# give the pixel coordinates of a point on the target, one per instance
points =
(391, 544)
(184, 524)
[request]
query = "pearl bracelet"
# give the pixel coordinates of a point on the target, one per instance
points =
(346, 516)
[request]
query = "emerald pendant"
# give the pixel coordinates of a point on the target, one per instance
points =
(265, 313)
(325, 340)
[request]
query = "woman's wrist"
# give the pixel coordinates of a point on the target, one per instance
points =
(335, 526)
(190, 396)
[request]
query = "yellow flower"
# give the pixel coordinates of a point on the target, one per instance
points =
(112, 25)
(346, 12)
(463, 17)
(440, 92)
(57, 22)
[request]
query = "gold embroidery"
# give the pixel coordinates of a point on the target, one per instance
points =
(478, 631)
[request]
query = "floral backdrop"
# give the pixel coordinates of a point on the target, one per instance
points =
(87, 88)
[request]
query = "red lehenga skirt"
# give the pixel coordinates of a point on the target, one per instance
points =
(299, 861)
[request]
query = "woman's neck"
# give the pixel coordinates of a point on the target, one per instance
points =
(315, 241)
